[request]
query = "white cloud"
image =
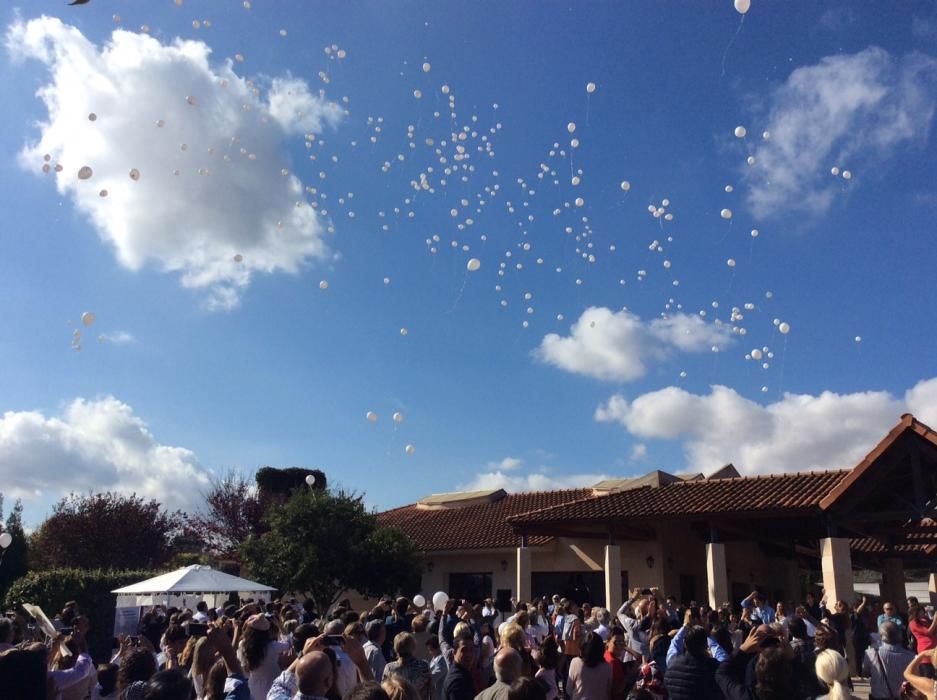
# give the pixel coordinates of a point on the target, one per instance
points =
(619, 345)
(96, 444)
(798, 432)
(638, 451)
(192, 224)
(119, 337)
(507, 464)
(516, 483)
(852, 111)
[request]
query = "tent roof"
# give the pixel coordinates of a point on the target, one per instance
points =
(194, 579)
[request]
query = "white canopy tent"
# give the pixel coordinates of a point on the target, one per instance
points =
(185, 587)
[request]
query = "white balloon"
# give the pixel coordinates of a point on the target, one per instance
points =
(87, 318)
(371, 416)
(754, 233)
(398, 417)
(310, 480)
(729, 188)
(741, 6)
(439, 600)
(750, 160)
(427, 67)
(85, 172)
(756, 353)
(590, 88)
(834, 170)
(571, 127)
(323, 285)
(726, 213)
(419, 601)
(625, 185)
(784, 327)
(847, 175)
(473, 265)
(579, 201)
(740, 132)
(858, 338)
(409, 449)
(6, 539)
(730, 262)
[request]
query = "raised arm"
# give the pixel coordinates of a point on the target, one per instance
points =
(922, 684)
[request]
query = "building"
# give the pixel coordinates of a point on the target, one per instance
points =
(706, 538)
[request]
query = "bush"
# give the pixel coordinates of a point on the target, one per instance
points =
(91, 589)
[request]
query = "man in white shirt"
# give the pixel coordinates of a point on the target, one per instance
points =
(346, 675)
(201, 613)
(377, 632)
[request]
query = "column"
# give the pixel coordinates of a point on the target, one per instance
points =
(613, 577)
(932, 588)
(523, 575)
(716, 577)
(836, 562)
(892, 589)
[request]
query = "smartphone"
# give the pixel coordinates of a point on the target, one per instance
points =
(335, 640)
(196, 629)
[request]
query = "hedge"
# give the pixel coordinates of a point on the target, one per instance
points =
(90, 588)
(283, 482)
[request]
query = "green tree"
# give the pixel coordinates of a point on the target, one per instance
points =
(322, 544)
(14, 559)
(108, 530)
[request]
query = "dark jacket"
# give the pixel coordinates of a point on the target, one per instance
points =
(459, 684)
(691, 677)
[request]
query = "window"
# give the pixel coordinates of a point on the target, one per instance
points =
(472, 587)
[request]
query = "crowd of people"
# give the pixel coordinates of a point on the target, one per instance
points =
(651, 648)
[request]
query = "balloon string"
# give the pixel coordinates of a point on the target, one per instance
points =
(783, 361)
(732, 41)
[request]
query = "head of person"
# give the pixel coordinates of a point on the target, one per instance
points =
(889, 633)
(173, 684)
(841, 607)
(464, 652)
(401, 605)
(723, 638)
(917, 612)
(301, 633)
(889, 609)
(398, 688)
(549, 654)
(314, 674)
(138, 665)
(419, 624)
(572, 607)
(107, 678)
(832, 669)
(255, 638)
(369, 690)
(377, 632)
(616, 642)
(175, 638)
(758, 600)
(23, 674)
(202, 606)
(508, 665)
(356, 630)
(432, 645)
(513, 636)
(798, 629)
(773, 675)
(779, 608)
(404, 645)
(523, 619)
(811, 599)
(602, 616)
(592, 650)
(696, 642)
(6, 630)
(527, 689)
(825, 637)
(203, 658)
(462, 629)
(912, 600)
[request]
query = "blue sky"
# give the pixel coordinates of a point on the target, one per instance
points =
(210, 363)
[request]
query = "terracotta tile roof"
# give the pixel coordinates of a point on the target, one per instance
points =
(482, 526)
(801, 491)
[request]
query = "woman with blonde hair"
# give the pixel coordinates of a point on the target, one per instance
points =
(203, 658)
(833, 670)
(924, 685)
(408, 667)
